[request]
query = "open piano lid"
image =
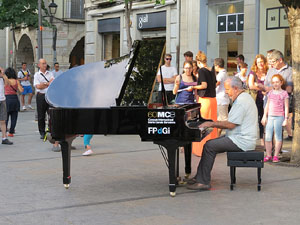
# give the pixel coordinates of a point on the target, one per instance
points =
(94, 85)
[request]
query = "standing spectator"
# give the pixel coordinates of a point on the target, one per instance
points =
(87, 144)
(188, 56)
(268, 58)
(206, 90)
(275, 116)
(12, 100)
(169, 74)
(182, 82)
(195, 68)
(3, 114)
(239, 59)
(24, 78)
(256, 79)
(42, 80)
(280, 67)
(56, 70)
(222, 97)
(243, 73)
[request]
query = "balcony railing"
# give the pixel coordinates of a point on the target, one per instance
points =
(73, 9)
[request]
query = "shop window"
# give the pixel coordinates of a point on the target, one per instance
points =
(111, 46)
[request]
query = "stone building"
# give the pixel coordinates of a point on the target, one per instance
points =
(69, 20)
(6, 53)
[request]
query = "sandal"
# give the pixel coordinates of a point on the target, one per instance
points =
(268, 158)
(275, 159)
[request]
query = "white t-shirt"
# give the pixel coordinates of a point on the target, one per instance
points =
(222, 97)
(21, 76)
(244, 114)
(55, 74)
(38, 79)
(2, 95)
(167, 72)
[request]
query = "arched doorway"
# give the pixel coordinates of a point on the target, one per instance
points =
(77, 54)
(25, 53)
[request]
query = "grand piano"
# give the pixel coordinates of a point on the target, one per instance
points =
(100, 98)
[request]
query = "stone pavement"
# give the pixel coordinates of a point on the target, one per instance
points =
(126, 182)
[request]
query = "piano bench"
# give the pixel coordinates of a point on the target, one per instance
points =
(245, 159)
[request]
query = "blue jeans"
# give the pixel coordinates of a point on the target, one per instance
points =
(274, 124)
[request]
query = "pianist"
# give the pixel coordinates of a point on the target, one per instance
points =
(240, 136)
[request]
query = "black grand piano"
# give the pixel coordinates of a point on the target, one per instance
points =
(99, 98)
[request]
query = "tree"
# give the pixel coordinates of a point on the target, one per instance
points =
(16, 14)
(292, 8)
(128, 9)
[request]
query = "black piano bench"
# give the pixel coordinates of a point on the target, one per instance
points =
(245, 159)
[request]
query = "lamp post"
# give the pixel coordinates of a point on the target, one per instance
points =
(40, 37)
(52, 10)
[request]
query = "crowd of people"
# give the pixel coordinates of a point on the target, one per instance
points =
(245, 104)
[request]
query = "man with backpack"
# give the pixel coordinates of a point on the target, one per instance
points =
(24, 78)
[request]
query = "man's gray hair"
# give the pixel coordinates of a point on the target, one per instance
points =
(235, 82)
(276, 55)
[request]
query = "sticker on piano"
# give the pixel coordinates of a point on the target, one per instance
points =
(161, 117)
(159, 130)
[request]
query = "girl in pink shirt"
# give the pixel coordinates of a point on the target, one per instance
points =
(275, 116)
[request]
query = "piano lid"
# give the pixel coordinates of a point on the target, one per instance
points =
(94, 85)
(124, 81)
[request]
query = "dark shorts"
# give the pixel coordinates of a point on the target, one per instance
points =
(27, 90)
(3, 112)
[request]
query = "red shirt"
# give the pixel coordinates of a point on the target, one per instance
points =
(11, 89)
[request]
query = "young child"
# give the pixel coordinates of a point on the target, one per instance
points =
(275, 116)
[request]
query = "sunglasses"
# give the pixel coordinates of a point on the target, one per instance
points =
(168, 58)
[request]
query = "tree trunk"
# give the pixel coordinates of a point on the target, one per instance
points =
(294, 21)
(128, 7)
(16, 50)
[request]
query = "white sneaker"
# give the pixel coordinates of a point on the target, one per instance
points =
(24, 107)
(30, 107)
(88, 152)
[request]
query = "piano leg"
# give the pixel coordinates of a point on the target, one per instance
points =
(66, 160)
(188, 159)
(172, 176)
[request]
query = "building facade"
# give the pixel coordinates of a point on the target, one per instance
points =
(70, 35)
(221, 28)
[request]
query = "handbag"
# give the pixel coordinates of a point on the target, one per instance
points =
(252, 92)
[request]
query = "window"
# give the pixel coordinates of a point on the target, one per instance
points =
(111, 45)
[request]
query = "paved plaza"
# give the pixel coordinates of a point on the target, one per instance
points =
(126, 182)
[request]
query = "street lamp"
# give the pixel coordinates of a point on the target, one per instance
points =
(52, 10)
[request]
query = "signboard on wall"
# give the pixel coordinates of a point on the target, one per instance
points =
(109, 25)
(151, 20)
(230, 23)
(276, 18)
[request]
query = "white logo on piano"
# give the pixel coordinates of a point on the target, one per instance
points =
(159, 130)
(161, 117)
(163, 114)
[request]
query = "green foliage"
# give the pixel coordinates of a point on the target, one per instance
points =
(144, 73)
(290, 3)
(13, 13)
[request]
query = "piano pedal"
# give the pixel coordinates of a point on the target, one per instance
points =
(181, 181)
